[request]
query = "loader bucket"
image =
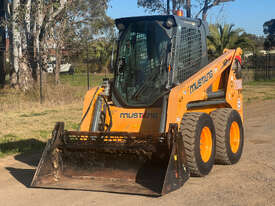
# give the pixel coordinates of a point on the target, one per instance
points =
(102, 162)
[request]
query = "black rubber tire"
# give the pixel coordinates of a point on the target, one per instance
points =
(191, 127)
(223, 119)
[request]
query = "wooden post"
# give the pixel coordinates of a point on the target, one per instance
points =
(88, 70)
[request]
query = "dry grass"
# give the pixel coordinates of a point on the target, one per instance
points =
(259, 91)
(23, 118)
(71, 90)
(34, 121)
(25, 125)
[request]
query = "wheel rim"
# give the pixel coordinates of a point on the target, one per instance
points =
(234, 137)
(205, 144)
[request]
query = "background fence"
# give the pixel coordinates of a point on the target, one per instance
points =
(259, 67)
(86, 75)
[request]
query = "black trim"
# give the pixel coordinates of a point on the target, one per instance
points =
(193, 105)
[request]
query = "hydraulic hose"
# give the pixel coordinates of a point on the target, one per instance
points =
(110, 114)
(87, 111)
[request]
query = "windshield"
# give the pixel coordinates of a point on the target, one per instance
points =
(142, 67)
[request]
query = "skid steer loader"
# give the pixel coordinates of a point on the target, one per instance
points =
(167, 113)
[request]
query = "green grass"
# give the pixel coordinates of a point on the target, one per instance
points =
(269, 97)
(20, 146)
(28, 130)
(261, 82)
(72, 125)
(259, 91)
(8, 137)
(81, 79)
(51, 110)
(34, 114)
(27, 125)
(44, 134)
(12, 144)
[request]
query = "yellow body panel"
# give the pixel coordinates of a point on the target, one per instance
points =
(234, 89)
(218, 75)
(186, 92)
(143, 120)
(135, 119)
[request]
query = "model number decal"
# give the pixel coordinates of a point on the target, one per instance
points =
(196, 85)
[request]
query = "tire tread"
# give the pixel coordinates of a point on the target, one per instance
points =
(188, 130)
(220, 118)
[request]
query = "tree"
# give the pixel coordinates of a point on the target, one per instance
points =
(101, 50)
(206, 5)
(2, 45)
(31, 24)
(269, 27)
(84, 21)
(224, 36)
(161, 6)
(28, 24)
(269, 30)
(258, 41)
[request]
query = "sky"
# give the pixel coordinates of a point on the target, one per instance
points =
(245, 14)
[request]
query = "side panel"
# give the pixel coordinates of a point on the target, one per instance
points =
(195, 88)
(135, 119)
(143, 120)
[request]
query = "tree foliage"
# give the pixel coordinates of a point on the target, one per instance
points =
(35, 26)
(2, 45)
(224, 36)
(269, 30)
(269, 27)
(92, 34)
(160, 6)
(86, 22)
(206, 5)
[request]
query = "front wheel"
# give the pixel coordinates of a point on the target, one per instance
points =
(199, 139)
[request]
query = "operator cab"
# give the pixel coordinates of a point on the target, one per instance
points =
(154, 54)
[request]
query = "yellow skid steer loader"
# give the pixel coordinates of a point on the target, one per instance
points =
(167, 113)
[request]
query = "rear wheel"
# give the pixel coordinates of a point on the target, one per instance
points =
(229, 135)
(199, 141)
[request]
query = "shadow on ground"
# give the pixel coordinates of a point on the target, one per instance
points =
(30, 151)
(24, 176)
(24, 148)
(31, 159)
